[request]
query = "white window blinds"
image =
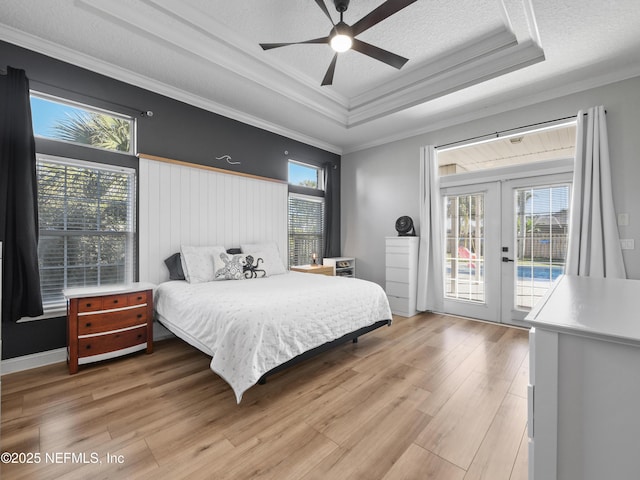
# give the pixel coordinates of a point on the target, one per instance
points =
(306, 228)
(87, 225)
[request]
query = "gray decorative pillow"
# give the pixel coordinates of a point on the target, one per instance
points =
(174, 264)
(229, 267)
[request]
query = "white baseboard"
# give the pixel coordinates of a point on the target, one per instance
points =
(34, 360)
(41, 359)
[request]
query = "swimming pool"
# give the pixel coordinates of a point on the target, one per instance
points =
(540, 272)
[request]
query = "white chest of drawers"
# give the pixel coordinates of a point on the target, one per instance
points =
(585, 381)
(401, 274)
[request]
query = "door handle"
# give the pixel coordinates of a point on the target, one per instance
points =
(506, 259)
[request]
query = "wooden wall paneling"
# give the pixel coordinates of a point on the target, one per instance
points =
(183, 205)
(165, 218)
(155, 219)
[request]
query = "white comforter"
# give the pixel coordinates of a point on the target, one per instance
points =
(252, 326)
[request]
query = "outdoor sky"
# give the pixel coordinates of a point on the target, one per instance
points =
(44, 113)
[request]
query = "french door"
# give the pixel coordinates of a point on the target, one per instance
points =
(535, 234)
(472, 261)
(505, 244)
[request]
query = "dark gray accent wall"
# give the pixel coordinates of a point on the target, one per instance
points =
(176, 130)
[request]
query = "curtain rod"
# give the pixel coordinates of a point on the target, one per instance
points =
(143, 113)
(501, 132)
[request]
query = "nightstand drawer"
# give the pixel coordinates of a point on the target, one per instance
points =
(88, 346)
(90, 304)
(107, 302)
(105, 322)
(139, 298)
(114, 301)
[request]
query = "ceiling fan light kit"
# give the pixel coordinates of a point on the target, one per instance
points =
(342, 36)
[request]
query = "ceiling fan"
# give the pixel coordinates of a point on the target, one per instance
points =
(342, 36)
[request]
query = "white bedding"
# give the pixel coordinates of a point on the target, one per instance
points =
(252, 326)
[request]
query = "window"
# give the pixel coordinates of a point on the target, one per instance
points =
(63, 120)
(87, 225)
(306, 213)
(464, 259)
(306, 228)
(545, 144)
(304, 175)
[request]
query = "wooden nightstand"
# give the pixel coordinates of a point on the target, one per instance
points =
(106, 322)
(320, 269)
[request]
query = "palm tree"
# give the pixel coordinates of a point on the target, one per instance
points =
(95, 129)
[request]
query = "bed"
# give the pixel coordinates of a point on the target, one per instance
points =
(254, 328)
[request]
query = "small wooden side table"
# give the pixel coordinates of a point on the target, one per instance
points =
(107, 322)
(319, 269)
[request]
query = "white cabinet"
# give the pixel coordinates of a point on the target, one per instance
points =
(342, 266)
(401, 286)
(584, 387)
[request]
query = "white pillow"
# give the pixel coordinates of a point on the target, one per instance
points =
(270, 255)
(197, 262)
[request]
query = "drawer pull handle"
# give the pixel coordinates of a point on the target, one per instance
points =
(88, 347)
(139, 315)
(88, 305)
(88, 324)
(139, 335)
(115, 301)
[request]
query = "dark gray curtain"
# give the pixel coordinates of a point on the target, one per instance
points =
(331, 243)
(21, 295)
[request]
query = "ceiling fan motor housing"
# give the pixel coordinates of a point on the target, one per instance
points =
(341, 5)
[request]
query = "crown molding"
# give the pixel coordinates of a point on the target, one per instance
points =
(478, 47)
(506, 102)
(199, 34)
(219, 46)
(45, 47)
(460, 70)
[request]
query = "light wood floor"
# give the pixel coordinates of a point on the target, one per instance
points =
(431, 397)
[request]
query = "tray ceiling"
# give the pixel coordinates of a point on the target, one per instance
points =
(466, 58)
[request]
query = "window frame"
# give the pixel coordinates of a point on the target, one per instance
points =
(56, 309)
(90, 108)
(319, 172)
(291, 236)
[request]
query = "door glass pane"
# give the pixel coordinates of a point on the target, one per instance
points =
(541, 226)
(465, 244)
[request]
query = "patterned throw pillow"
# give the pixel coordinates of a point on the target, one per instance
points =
(255, 266)
(230, 267)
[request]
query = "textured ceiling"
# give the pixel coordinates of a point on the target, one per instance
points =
(466, 58)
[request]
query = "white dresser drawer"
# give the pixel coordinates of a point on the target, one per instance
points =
(404, 307)
(397, 274)
(397, 289)
(397, 260)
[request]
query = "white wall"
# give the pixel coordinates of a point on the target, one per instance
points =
(380, 184)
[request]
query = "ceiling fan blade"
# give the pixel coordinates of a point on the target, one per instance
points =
(328, 77)
(379, 54)
(374, 17)
(324, 9)
(269, 46)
